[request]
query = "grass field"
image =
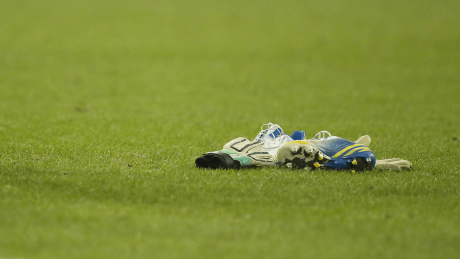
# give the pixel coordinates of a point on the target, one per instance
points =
(89, 87)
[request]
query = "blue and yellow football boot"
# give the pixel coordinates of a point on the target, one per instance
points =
(327, 151)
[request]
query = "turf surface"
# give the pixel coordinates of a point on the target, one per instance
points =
(105, 105)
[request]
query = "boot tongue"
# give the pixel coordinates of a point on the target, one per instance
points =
(275, 131)
(272, 132)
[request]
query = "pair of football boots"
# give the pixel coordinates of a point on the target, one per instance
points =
(273, 147)
(321, 151)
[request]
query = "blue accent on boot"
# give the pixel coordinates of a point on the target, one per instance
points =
(298, 135)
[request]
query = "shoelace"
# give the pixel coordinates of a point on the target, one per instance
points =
(322, 134)
(268, 126)
(263, 131)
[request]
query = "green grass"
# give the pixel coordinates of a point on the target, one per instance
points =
(88, 87)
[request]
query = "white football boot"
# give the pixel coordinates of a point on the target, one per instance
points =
(273, 137)
(301, 154)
